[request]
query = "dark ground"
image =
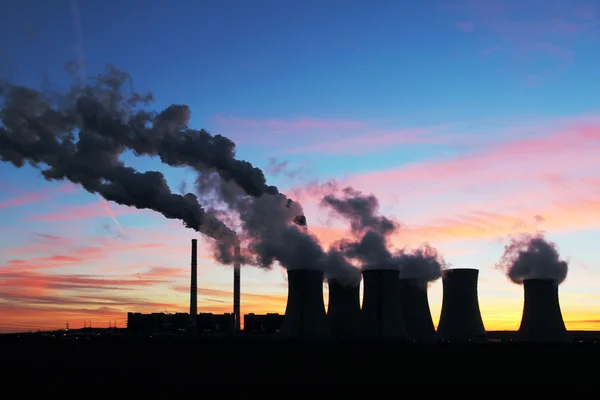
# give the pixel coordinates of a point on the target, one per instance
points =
(172, 361)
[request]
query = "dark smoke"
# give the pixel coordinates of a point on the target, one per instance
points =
(81, 136)
(531, 256)
(424, 264)
(272, 229)
(372, 232)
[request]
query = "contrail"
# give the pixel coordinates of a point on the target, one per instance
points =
(80, 57)
(106, 207)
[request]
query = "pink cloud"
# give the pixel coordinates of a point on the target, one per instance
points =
(491, 192)
(24, 198)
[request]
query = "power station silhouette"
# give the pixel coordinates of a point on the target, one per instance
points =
(395, 308)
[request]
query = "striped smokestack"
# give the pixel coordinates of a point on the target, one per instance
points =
(194, 280)
(236, 287)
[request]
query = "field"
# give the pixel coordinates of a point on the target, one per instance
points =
(175, 361)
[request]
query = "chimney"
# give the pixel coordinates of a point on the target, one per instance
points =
(381, 312)
(194, 281)
(305, 316)
(236, 287)
(542, 320)
(416, 311)
(460, 319)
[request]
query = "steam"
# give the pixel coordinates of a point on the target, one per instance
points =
(424, 264)
(531, 256)
(372, 232)
(81, 136)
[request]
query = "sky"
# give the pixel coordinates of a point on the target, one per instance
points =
(470, 120)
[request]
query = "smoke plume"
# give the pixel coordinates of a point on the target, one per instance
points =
(371, 231)
(531, 256)
(272, 229)
(424, 264)
(81, 136)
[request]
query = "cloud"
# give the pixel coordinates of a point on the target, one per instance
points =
(21, 197)
(492, 191)
(86, 211)
(532, 30)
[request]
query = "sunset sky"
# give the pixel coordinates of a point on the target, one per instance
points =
(468, 119)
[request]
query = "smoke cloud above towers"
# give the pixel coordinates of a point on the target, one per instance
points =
(531, 256)
(371, 246)
(272, 228)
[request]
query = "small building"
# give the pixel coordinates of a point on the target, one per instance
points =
(265, 324)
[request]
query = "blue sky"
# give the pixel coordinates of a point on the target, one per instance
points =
(489, 106)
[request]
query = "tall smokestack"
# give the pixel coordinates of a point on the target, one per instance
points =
(460, 319)
(305, 316)
(236, 287)
(542, 319)
(416, 311)
(343, 310)
(381, 312)
(194, 281)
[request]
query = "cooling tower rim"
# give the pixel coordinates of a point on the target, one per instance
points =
(341, 283)
(369, 270)
(461, 269)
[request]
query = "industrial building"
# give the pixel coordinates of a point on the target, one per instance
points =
(262, 324)
(542, 320)
(381, 314)
(163, 323)
(460, 319)
(392, 308)
(343, 309)
(305, 315)
(416, 311)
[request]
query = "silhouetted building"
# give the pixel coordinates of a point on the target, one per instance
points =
(265, 324)
(416, 311)
(343, 310)
(542, 319)
(305, 315)
(163, 323)
(460, 319)
(381, 314)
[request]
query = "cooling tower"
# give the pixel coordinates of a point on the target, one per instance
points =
(542, 319)
(236, 288)
(194, 281)
(305, 310)
(343, 310)
(460, 319)
(415, 310)
(381, 314)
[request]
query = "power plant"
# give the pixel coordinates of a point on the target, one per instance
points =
(460, 319)
(381, 314)
(416, 312)
(542, 320)
(305, 315)
(393, 308)
(343, 310)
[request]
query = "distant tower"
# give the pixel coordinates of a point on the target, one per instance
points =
(305, 316)
(343, 310)
(460, 319)
(542, 319)
(416, 311)
(381, 314)
(236, 286)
